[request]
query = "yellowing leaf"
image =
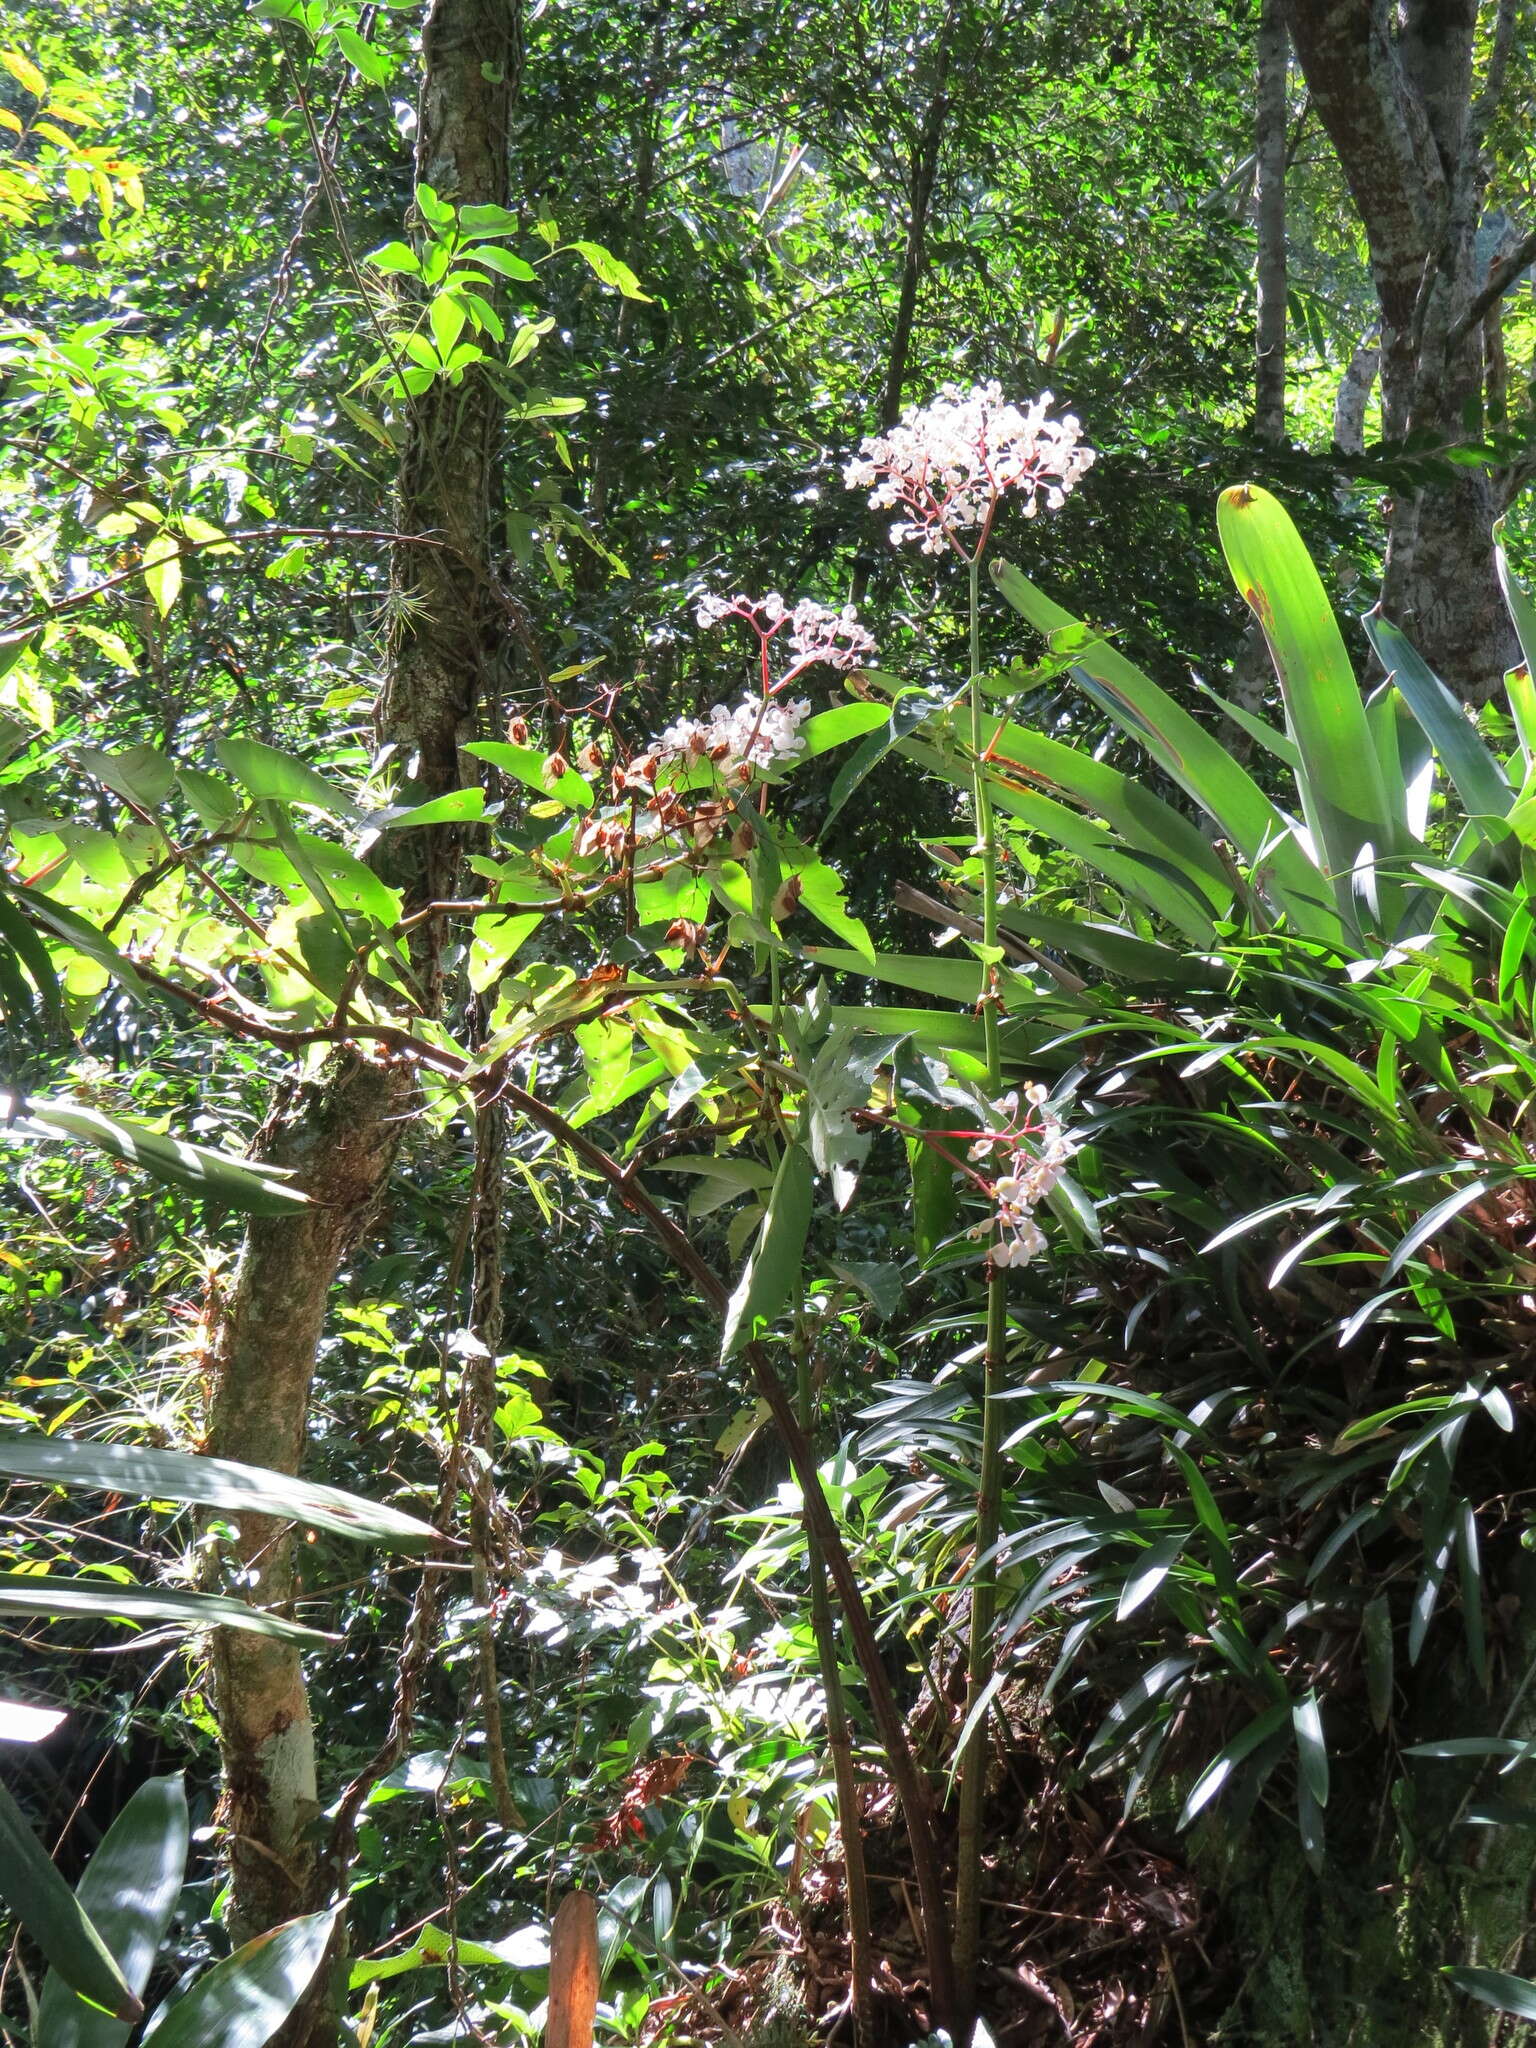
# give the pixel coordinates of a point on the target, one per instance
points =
(162, 571)
(23, 69)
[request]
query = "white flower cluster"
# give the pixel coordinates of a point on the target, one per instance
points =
(816, 632)
(949, 462)
(756, 733)
(1029, 1173)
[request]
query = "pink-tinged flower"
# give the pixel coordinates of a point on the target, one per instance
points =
(1031, 1150)
(948, 465)
(815, 634)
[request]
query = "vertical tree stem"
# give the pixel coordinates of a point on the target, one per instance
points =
(840, 1746)
(979, 1657)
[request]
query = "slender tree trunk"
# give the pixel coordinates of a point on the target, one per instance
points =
(1269, 153)
(924, 172)
(1254, 673)
(341, 1128)
(1393, 82)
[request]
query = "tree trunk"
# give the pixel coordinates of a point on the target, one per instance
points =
(924, 171)
(342, 1128)
(1392, 81)
(1253, 673)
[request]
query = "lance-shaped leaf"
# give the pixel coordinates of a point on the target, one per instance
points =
(1343, 794)
(244, 1184)
(48, 1909)
(241, 2002)
(129, 1889)
(773, 1270)
(207, 1482)
(107, 1600)
(1480, 782)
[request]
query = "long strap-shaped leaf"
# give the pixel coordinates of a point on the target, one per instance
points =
(105, 1600)
(209, 1483)
(48, 1909)
(1193, 757)
(1343, 792)
(1480, 782)
(241, 2002)
(129, 1889)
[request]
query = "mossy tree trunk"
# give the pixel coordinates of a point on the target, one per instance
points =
(341, 1128)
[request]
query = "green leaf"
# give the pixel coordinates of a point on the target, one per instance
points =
(1238, 1750)
(460, 806)
(373, 64)
(773, 1270)
(51, 1914)
(1311, 1748)
(162, 570)
(142, 775)
(79, 933)
(129, 1889)
(1193, 757)
(1431, 1223)
(1496, 1988)
(105, 1600)
(273, 776)
(1480, 782)
(905, 716)
(821, 893)
(501, 261)
(842, 723)
(241, 2002)
(570, 789)
(1148, 1572)
(210, 797)
(395, 256)
(610, 268)
(243, 1184)
(207, 1482)
(1344, 796)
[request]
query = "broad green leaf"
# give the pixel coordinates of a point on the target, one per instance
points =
(836, 727)
(243, 1184)
(162, 570)
(821, 893)
(129, 1889)
(104, 1600)
(281, 778)
(48, 1909)
(772, 1272)
(460, 806)
(910, 710)
(1480, 782)
(1343, 793)
(372, 64)
(141, 774)
(395, 256)
(610, 268)
(569, 788)
(1496, 1988)
(241, 2002)
(79, 933)
(1193, 757)
(206, 1482)
(210, 797)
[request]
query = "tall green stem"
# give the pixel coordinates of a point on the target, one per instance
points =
(861, 1977)
(979, 1658)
